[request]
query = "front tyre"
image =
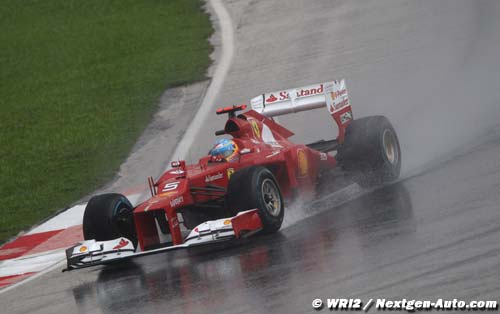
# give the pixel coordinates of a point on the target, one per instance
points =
(107, 217)
(256, 187)
(371, 151)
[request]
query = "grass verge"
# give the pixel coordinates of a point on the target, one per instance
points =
(79, 81)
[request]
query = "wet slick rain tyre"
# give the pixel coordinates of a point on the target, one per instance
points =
(107, 217)
(256, 187)
(371, 154)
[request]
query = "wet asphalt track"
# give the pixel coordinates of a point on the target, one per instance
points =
(432, 67)
(433, 235)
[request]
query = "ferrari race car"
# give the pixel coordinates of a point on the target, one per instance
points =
(241, 186)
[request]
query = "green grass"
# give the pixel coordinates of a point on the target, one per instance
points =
(79, 81)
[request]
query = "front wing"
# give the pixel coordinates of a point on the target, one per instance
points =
(91, 252)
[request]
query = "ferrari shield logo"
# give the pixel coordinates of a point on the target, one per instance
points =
(302, 163)
(255, 129)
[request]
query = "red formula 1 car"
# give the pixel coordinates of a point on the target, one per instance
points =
(240, 187)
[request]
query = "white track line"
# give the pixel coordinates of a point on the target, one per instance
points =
(226, 58)
(182, 148)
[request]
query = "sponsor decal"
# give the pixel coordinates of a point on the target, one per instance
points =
(257, 103)
(340, 105)
(345, 117)
(177, 201)
(230, 172)
(299, 92)
(271, 99)
(213, 177)
(336, 96)
(323, 156)
(121, 244)
(310, 91)
(255, 129)
(302, 163)
(284, 95)
(170, 186)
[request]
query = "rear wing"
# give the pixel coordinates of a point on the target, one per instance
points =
(332, 95)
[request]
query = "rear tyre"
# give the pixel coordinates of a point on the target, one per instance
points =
(256, 187)
(107, 217)
(371, 153)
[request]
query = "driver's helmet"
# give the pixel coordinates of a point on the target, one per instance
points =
(224, 150)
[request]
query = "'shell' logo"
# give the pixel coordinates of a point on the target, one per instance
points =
(271, 98)
(213, 177)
